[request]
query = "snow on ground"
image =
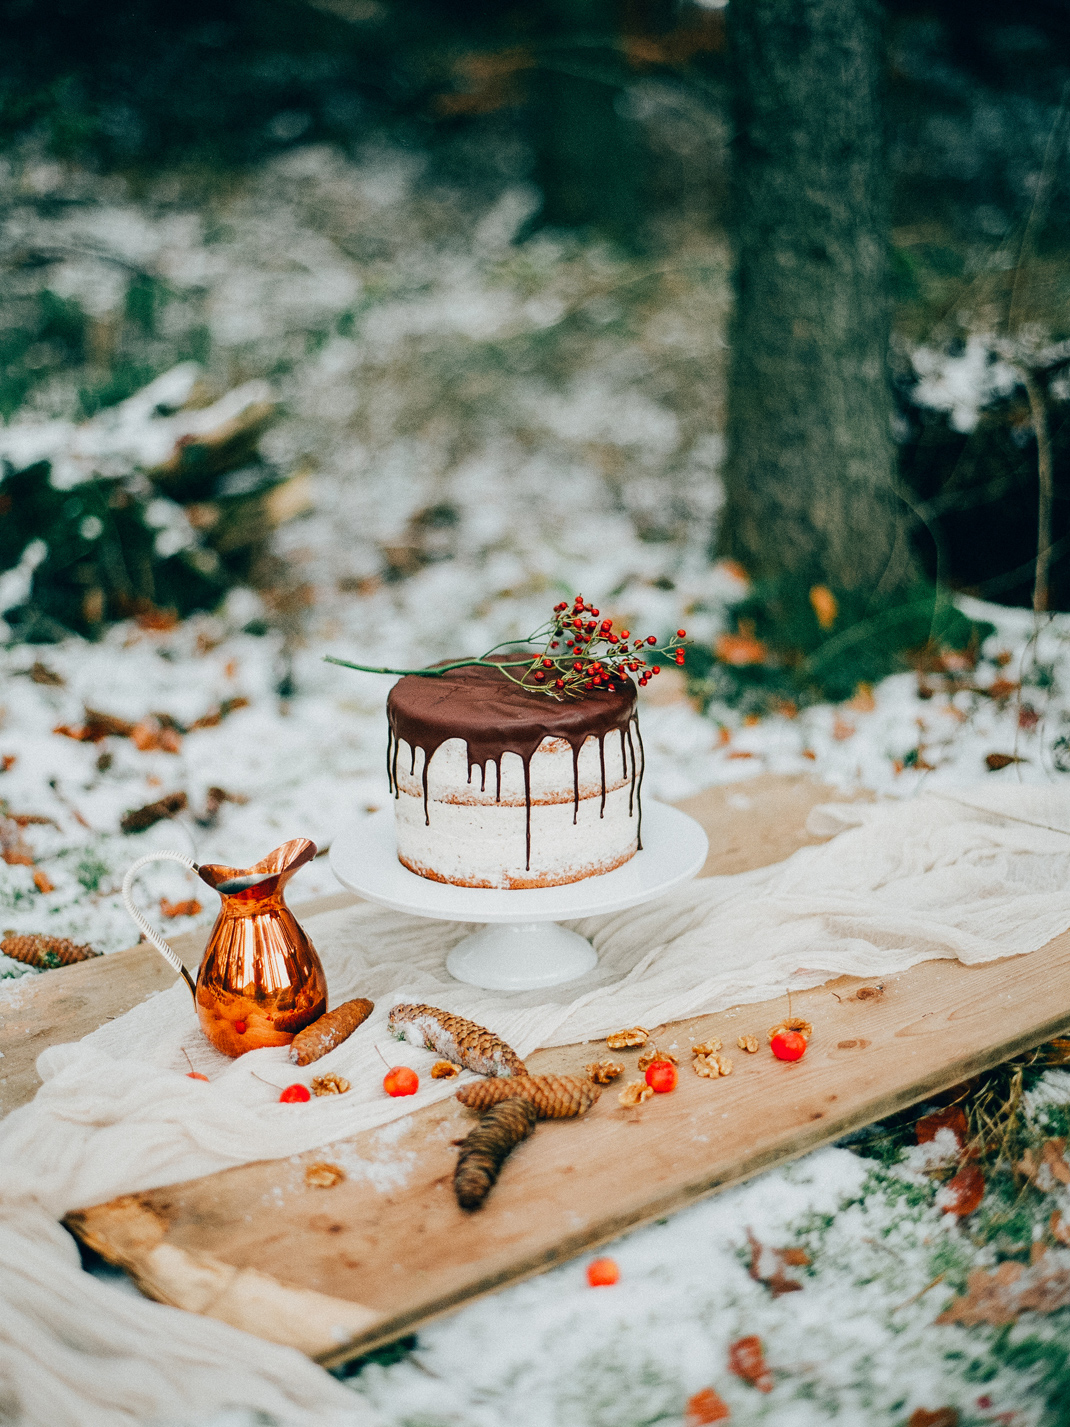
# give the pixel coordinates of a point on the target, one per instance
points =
(330, 277)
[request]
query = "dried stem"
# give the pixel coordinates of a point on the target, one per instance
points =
(1038, 408)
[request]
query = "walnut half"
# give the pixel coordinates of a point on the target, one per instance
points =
(603, 1071)
(635, 1093)
(622, 1040)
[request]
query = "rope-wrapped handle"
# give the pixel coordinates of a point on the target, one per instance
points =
(139, 917)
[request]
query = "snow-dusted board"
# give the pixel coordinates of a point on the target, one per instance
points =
(336, 1271)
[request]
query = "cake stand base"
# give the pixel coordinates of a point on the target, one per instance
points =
(521, 947)
(521, 956)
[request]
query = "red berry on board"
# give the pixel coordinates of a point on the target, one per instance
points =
(401, 1081)
(239, 1026)
(661, 1076)
(788, 1045)
(196, 1075)
(294, 1095)
(602, 1273)
(651, 639)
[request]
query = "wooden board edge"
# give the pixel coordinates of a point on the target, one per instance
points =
(257, 1302)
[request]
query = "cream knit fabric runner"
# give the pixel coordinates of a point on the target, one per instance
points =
(976, 875)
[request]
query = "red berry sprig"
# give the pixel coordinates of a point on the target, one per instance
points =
(580, 652)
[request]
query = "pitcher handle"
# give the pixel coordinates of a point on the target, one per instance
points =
(143, 922)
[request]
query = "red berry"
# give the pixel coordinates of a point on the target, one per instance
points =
(625, 634)
(656, 669)
(651, 639)
(595, 613)
(661, 1076)
(559, 683)
(294, 1095)
(401, 1081)
(788, 1045)
(195, 1075)
(547, 663)
(681, 634)
(239, 1026)
(602, 1273)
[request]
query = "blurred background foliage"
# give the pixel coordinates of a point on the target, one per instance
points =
(615, 114)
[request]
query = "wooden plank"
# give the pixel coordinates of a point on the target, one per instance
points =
(749, 824)
(388, 1249)
(68, 1003)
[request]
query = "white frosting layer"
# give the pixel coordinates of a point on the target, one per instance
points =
(471, 838)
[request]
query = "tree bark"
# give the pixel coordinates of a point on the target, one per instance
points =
(810, 470)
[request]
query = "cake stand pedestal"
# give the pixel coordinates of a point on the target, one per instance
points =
(520, 947)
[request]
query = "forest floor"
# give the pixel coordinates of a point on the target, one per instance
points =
(491, 429)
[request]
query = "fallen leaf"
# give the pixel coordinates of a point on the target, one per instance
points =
(1052, 1155)
(1028, 718)
(746, 1360)
(739, 650)
(705, 1407)
(863, 701)
(825, 605)
(42, 674)
(7, 762)
(954, 1119)
(842, 730)
(1000, 689)
(962, 1194)
(138, 819)
(941, 1417)
(192, 908)
(995, 761)
(999, 1296)
(41, 881)
(1060, 1229)
(809, 753)
(150, 736)
(767, 1266)
(739, 753)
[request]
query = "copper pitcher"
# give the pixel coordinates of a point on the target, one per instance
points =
(260, 980)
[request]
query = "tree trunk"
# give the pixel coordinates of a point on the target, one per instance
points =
(810, 472)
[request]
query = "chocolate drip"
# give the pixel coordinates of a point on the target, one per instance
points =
(495, 716)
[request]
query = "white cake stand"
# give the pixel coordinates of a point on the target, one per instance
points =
(521, 947)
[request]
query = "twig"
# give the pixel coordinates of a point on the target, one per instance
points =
(1038, 409)
(921, 1293)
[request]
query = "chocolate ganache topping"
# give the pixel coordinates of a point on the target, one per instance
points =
(495, 716)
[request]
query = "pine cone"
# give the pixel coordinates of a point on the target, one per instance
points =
(555, 1097)
(485, 1150)
(45, 952)
(463, 1042)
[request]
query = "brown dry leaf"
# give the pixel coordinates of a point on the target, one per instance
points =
(995, 761)
(41, 881)
(842, 730)
(739, 650)
(953, 1118)
(793, 1023)
(1000, 1296)
(710, 1047)
(863, 701)
(138, 819)
(706, 1407)
(746, 1359)
(42, 674)
(324, 1176)
(635, 1093)
(748, 1043)
(939, 1417)
(622, 1040)
(825, 605)
(603, 1071)
(1060, 1229)
(444, 1070)
(331, 1083)
(651, 1054)
(190, 908)
(767, 1266)
(1052, 1155)
(962, 1194)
